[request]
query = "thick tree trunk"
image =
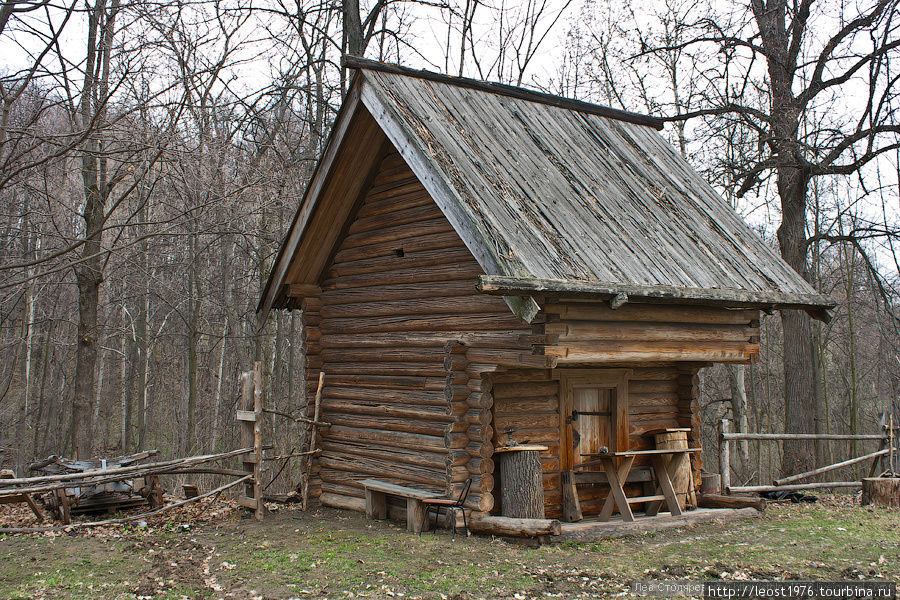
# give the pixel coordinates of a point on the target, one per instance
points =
(799, 360)
(353, 28)
(793, 176)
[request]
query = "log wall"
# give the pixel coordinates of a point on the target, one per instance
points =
(391, 328)
(595, 333)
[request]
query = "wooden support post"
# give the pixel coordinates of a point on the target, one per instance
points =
(571, 507)
(415, 514)
(376, 504)
(257, 441)
(249, 417)
(724, 456)
(307, 473)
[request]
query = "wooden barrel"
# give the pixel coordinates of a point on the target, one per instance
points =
(710, 483)
(676, 438)
(521, 481)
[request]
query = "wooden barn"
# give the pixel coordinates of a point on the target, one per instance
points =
(478, 263)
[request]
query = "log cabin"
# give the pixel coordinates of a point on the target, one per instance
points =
(477, 263)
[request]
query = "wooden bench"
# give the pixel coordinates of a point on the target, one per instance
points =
(376, 501)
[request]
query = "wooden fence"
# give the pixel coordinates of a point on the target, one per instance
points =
(788, 483)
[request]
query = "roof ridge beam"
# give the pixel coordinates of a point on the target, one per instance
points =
(502, 89)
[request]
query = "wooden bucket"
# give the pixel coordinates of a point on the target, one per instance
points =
(676, 438)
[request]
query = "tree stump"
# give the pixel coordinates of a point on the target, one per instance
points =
(521, 481)
(882, 491)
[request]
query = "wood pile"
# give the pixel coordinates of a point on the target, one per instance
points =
(102, 497)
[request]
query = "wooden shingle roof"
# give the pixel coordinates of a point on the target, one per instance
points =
(547, 192)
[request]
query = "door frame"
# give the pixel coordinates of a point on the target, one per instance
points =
(614, 379)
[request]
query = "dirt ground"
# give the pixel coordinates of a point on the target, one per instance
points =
(220, 553)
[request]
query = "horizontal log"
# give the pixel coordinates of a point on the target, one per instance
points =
(738, 489)
(415, 457)
(413, 412)
(344, 490)
(480, 449)
(400, 258)
(338, 395)
(524, 422)
(305, 290)
(401, 424)
(802, 436)
(433, 241)
(417, 306)
(397, 233)
(394, 202)
(653, 351)
(483, 369)
(436, 273)
(385, 437)
(655, 313)
(668, 400)
(404, 369)
(393, 189)
(394, 292)
(523, 376)
(391, 382)
(507, 526)
(376, 355)
(513, 406)
(644, 373)
(480, 433)
(381, 469)
(510, 359)
(503, 391)
(342, 502)
(480, 400)
(653, 386)
(431, 323)
(832, 467)
(487, 339)
(720, 501)
(477, 416)
(580, 331)
(406, 216)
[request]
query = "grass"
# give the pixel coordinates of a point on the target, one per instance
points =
(332, 554)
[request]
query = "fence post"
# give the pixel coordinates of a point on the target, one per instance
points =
(257, 440)
(250, 418)
(724, 456)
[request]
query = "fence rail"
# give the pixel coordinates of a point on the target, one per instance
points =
(787, 483)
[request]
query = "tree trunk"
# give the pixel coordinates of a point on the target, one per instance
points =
(89, 272)
(793, 176)
(353, 28)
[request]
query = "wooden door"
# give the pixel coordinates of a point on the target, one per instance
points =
(593, 413)
(590, 420)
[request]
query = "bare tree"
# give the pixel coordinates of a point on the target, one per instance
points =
(816, 88)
